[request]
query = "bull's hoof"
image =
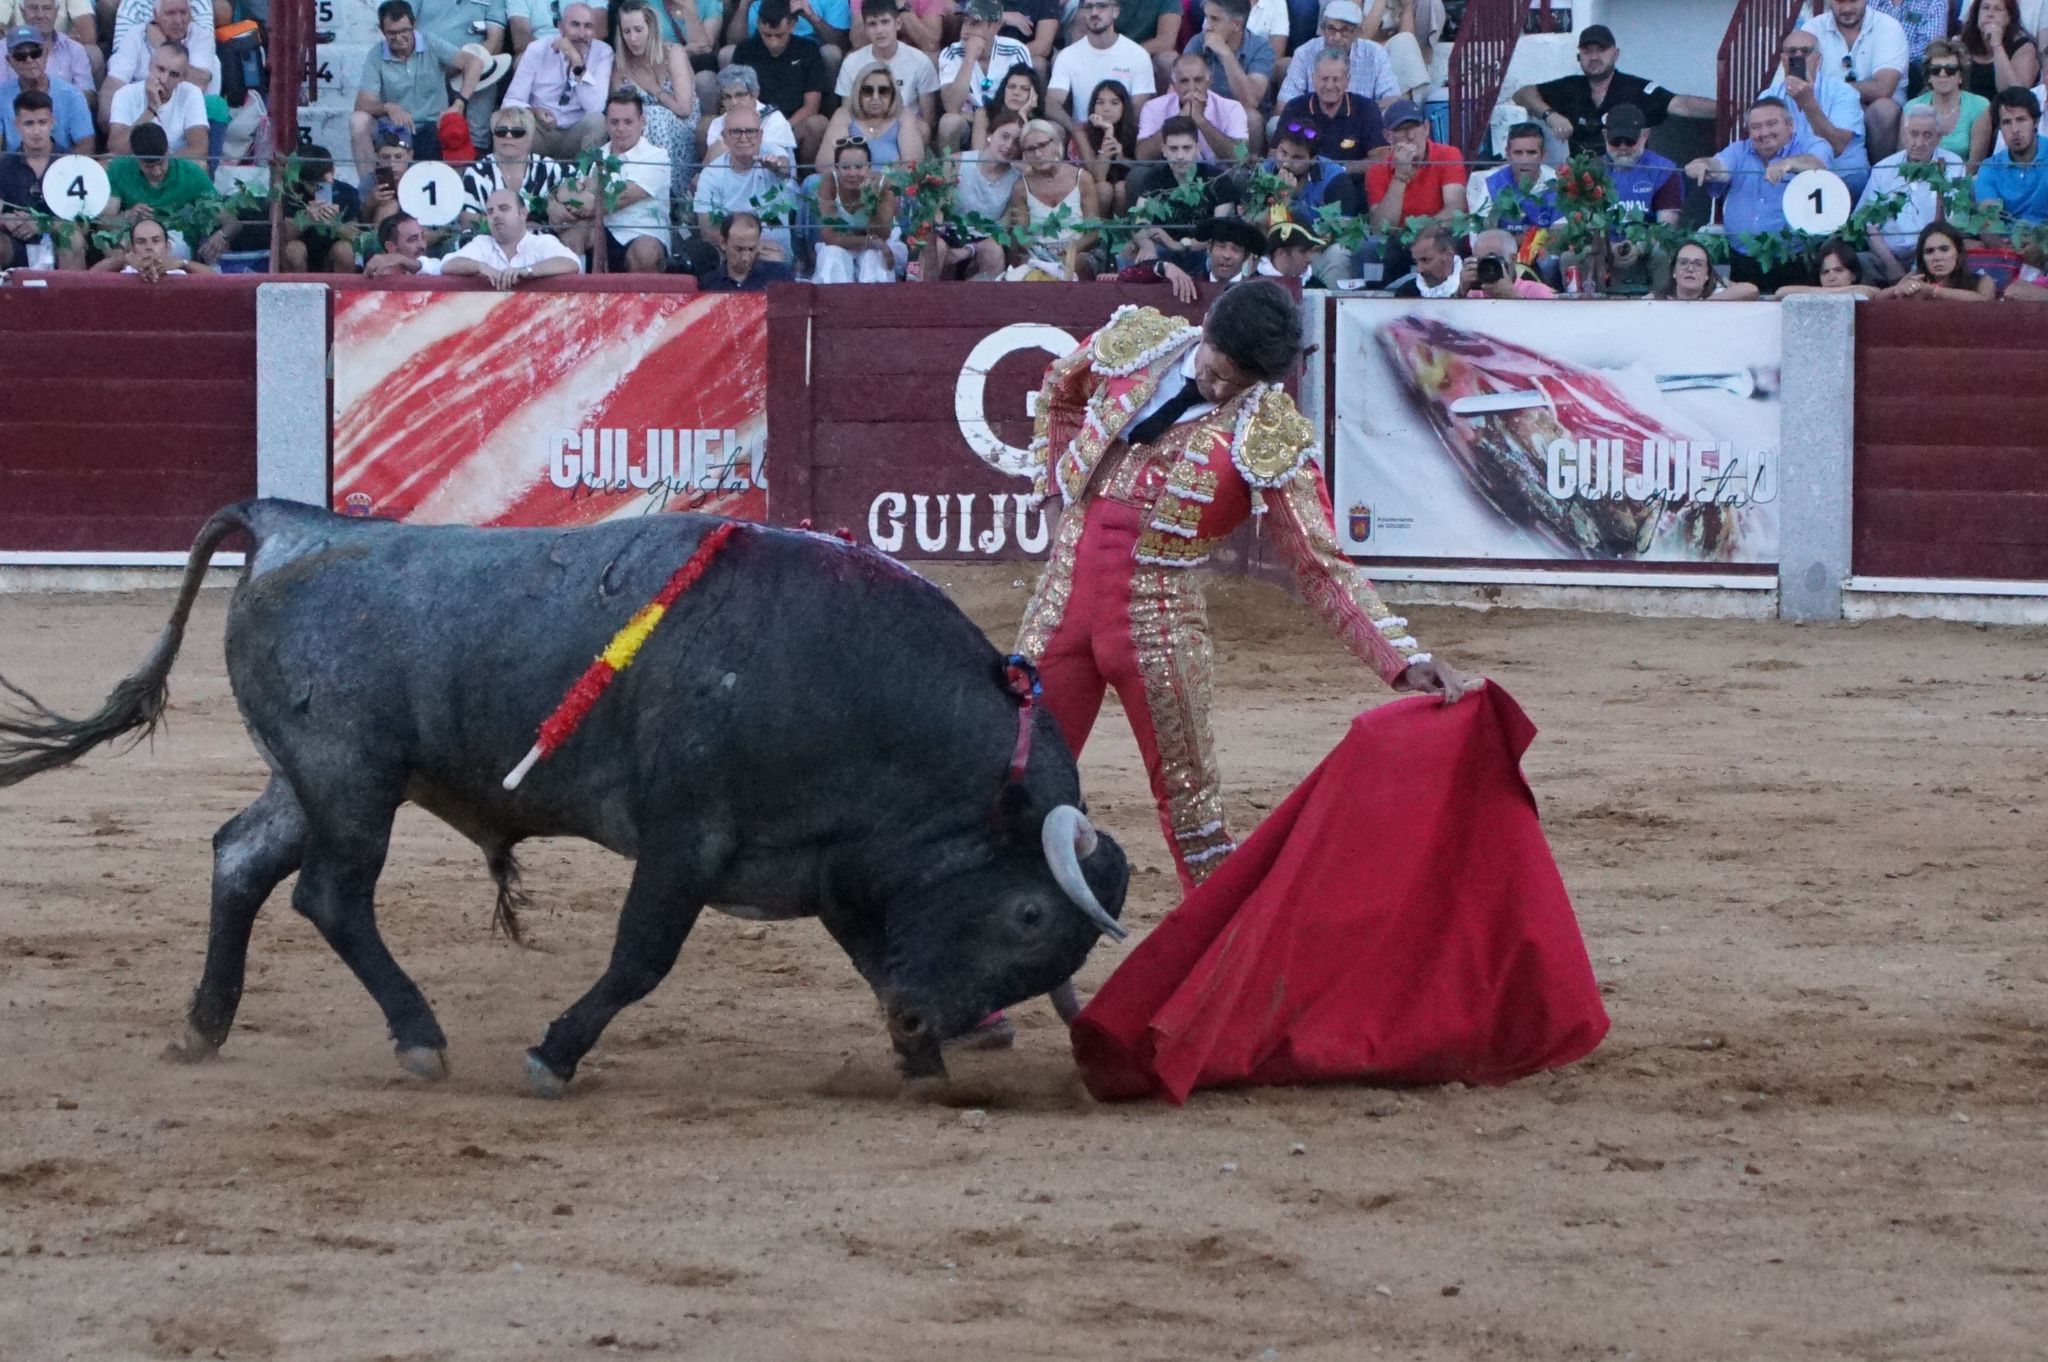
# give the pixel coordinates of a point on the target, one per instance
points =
(932, 1089)
(191, 1048)
(996, 1032)
(423, 1062)
(546, 1082)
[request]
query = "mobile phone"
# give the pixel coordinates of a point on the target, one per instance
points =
(1796, 64)
(387, 177)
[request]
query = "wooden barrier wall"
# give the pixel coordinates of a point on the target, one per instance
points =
(1951, 441)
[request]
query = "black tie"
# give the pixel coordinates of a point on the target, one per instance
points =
(1161, 421)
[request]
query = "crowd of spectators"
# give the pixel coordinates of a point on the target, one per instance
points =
(1177, 141)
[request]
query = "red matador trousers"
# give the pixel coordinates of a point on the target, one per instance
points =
(1099, 619)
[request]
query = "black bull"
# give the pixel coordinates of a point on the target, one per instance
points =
(811, 730)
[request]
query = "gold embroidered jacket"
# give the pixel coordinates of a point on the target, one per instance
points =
(1259, 460)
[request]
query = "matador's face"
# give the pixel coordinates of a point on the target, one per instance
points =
(1217, 376)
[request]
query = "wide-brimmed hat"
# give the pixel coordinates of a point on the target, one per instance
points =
(1291, 233)
(496, 64)
(1236, 231)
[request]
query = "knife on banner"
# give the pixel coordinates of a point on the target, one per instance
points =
(1740, 382)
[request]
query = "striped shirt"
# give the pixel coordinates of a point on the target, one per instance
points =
(481, 179)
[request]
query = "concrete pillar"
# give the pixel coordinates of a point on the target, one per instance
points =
(1816, 461)
(292, 387)
(1315, 337)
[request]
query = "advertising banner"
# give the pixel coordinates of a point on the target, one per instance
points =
(549, 408)
(1536, 431)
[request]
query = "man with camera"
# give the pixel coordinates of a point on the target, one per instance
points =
(1494, 272)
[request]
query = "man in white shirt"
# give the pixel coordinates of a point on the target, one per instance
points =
(1102, 54)
(163, 97)
(917, 78)
(1372, 75)
(1892, 242)
(565, 82)
(173, 20)
(637, 226)
(510, 254)
(401, 249)
(739, 181)
(1868, 49)
(972, 70)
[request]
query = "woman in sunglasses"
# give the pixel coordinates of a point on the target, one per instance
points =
(857, 237)
(876, 115)
(510, 164)
(1959, 113)
(1021, 93)
(659, 71)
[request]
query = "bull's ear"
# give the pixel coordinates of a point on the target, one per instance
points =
(1017, 813)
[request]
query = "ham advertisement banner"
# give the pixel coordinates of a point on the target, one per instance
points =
(1544, 431)
(549, 408)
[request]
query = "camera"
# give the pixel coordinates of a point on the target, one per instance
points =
(1492, 269)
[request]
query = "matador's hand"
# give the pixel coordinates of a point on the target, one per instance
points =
(1440, 679)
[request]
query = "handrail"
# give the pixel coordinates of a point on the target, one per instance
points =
(1749, 53)
(1479, 63)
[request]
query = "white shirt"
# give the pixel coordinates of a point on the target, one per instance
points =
(1004, 53)
(1269, 18)
(1880, 46)
(532, 249)
(722, 190)
(1372, 75)
(915, 74)
(777, 137)
(1082, 66)
(183, 111)
(647, 166)
(130, 62)
(1168, 387)
(1903, 231)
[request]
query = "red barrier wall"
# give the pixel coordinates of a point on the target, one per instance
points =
(1951, 441)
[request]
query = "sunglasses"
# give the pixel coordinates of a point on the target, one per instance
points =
(1301, 130)
(876, 89)
(27, 54)
(856, 140)
(508, 132)
(1615, 139)
(742, 132)
(1945, 68)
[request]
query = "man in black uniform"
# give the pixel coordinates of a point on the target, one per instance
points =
(1574, 108)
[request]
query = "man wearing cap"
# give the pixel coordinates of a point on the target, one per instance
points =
(1572, 107)
(1867, 50)
(164, 98)
(28, 69)
(1646, 181)
(1101, 54)
(1421, 179)
(69, 37)
(1371, 74)
(404, 84)
(151, 183)
(565, 82)
(1822, 105)
(1348, 127)
(1220, 122)
(1750, 176)
(21, 186)
(971, 69)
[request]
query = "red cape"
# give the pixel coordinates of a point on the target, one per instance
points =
(1399, 919)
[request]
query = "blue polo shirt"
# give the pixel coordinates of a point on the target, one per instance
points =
(2022, 188)
(1752, 204)
(73, 115)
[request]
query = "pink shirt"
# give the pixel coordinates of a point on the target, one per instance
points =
(1226, 113)
(1524, 288)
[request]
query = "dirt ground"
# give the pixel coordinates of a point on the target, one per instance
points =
(1809, 863)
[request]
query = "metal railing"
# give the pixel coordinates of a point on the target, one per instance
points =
(1749, 53)
(1479, 63)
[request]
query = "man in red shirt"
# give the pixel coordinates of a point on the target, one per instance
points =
(1422, 179)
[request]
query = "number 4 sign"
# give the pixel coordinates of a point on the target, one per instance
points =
(75, 187)
(1817, 201)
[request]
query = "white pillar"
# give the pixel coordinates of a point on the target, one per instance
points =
(1816, 455)
(292, 392)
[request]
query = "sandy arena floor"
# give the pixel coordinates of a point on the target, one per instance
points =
(1809, 862)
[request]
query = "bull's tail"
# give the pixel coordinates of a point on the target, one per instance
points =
(34, 738)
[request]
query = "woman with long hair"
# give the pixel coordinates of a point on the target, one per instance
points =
(984, 180)
(1837, 269)
(1693, 279)
(1021, 92)
(1959, 113)
(1941, 270)
(660, 72)
(2000, 52)
(876, 115)
(1106, 141)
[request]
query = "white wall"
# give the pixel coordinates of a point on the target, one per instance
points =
(1673, 42)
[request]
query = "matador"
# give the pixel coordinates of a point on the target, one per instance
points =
(1160, 438)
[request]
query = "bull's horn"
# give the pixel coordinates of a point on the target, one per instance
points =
(1067, 838)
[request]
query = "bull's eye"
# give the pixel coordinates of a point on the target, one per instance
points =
(1030, 915)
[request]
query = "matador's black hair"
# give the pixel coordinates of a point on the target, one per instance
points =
(1258, 327)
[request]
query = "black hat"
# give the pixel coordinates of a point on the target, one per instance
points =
(1236, 231)
(1291, 233)
(1625, 120)
(1596, 35)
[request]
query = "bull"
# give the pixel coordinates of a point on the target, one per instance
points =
(812, 730)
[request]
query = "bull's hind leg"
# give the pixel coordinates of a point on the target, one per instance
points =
(661, 906)
(252, 853)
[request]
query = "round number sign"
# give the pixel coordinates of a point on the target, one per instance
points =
(1817, 201)
(75, 187)
(432, 192)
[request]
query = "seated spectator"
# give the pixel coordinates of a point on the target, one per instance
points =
(1240, 61)
(1233, 249)
(1348, 127)
(1408, 31)
(163, 97)
(1182, 168)
(1749, 177)
(404, 87)
(1652, 185)
(1052, 198)
(984, 180)
(1291, 251)
(1420, 178)
(1313, 179)
(1438, 272)
(967, 68)
(510, 254)
(1822, 106)
(792, 74)
(1573, 108)
(857, 237)
(741, 180)
(21, 190)
(394, 158)
(1154, 25)
(1868, 50)
(739, 87)
(2013, 180)
(70, 39)
(2002, 55)
(924, 24)
(1021, 93)
(1941, 270)
(876, 114)
(510, 164)
(1898, 235)
(1105, 142)
(1100, 53)
(565, 83)
(1837, 269)
(659, 72)
(151, 183)
(140, 25)
(1961, 115)
(828, 23)
(1495, 272)
(1371, 75)
(740, 268)
(1221, 123)
(639, 219)
(1694, 279)
(915, 74)
(540, 21)
(401, 249)
(1527, 176)
(328, 245)
(147, 255)
(28, 70)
